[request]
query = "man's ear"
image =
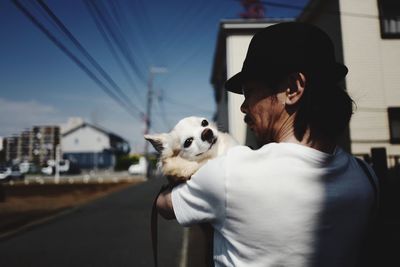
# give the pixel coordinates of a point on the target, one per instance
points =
(157, 140)
(295, 90)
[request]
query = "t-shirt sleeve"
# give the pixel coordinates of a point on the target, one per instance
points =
(202, 198)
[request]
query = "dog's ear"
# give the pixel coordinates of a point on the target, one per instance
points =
(157, 140)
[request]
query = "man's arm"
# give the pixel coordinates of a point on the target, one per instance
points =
(164, 205)
(200, 199)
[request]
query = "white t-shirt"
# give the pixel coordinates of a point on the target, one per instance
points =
(281, 205)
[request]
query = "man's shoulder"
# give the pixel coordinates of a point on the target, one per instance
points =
(237, 150)
(244, 151)
(239, 156)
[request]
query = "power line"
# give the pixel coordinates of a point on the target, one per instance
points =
(118, 39)
(113, 51)
(190, 22)
(32, 4)
(73, 57)
(185, 105)
(148, 29)
(125, 29)
(190, 40)
(145, 28)
(97, 66)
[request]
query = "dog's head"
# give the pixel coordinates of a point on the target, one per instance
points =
(193, 138)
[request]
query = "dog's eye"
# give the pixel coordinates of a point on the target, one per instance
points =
(204, 123)
(188, 142)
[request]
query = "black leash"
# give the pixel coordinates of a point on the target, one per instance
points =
(154, 221)
(154, 225)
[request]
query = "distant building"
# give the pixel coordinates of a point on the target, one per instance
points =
(36, 145)
(2, 155)
(10, 145)
(367, 39)
(91, 146)
(85, 145)
(233, 40)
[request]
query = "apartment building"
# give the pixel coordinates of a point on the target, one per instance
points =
(36, 145)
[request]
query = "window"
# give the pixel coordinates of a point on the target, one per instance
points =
(389, 16)
(394, 124)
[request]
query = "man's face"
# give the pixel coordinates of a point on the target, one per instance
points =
(263, 109)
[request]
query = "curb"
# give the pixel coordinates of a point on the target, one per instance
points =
(184, 250)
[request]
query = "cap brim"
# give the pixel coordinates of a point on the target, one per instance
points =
(341, 71)
(234, 84)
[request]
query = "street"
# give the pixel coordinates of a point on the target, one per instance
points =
(98, 176)
(112, 231)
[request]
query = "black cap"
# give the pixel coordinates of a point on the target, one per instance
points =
(288, 47)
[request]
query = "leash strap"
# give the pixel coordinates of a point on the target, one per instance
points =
(154, 225)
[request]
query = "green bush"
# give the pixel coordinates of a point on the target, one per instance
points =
(153, 158)
(124, 161)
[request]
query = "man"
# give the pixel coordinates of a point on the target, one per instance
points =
(299, 200)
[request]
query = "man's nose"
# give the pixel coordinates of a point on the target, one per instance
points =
(243, 107)
(207, 135)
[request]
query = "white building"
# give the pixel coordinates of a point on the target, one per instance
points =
(367, 36)
(233, 40)
(90, 146)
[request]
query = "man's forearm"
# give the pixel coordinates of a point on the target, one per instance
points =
(164, 205)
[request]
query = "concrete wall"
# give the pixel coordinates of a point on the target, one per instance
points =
(85, 139)
(325, 16)
(373, 80)
(236, 49)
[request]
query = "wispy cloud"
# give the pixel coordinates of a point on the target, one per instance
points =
(18, 115)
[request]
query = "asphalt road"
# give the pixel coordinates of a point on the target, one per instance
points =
(112, 231)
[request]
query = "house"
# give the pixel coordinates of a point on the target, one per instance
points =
(90, 146)
(367, 38)
(233, 39)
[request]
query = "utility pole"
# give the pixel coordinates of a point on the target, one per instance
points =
(147, 118)
(57, 165)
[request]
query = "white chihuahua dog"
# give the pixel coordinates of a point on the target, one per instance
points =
(188, 146)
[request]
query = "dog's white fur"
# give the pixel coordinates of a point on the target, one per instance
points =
(180, 162)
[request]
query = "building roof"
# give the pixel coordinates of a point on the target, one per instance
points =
(98, 128)
(71, 123)
(249, 24)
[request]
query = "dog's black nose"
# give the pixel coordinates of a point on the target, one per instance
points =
(207, 135)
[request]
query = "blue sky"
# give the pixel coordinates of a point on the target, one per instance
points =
(39, 84)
